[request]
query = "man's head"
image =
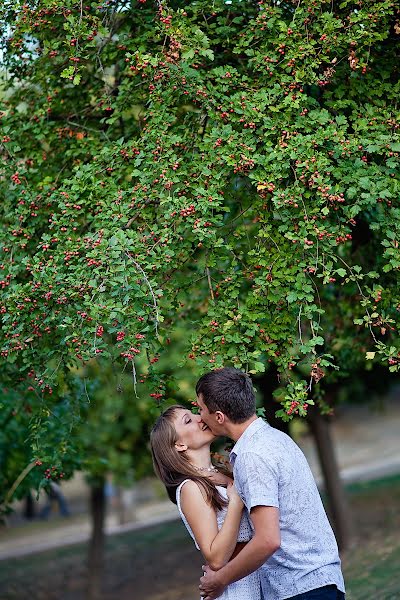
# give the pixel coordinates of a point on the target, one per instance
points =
(225, 396)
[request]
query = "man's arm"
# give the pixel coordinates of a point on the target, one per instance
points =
(265, 542)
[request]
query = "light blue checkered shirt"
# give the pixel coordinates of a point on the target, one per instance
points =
(271, 470)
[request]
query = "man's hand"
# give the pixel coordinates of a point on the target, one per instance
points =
(210, 584)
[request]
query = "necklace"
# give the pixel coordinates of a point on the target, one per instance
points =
(208, 469)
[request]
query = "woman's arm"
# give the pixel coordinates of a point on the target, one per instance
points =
(265, 541)
(216, 546)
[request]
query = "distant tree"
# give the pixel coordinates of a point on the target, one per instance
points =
(112, 437)
(23, 467)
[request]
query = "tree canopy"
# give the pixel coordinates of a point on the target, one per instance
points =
(231, 168)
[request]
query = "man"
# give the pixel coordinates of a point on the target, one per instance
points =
(293, 542)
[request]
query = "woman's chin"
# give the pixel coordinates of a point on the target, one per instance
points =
(209, 437)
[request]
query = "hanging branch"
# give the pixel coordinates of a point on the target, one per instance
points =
(139, 268)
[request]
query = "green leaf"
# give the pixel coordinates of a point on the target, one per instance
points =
(188, 54)
(208, 53)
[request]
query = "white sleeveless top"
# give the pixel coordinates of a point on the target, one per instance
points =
(248, 588)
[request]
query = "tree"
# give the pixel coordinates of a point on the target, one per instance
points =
(111, 435)
(21, 469)
(233, 168)
(107, 438)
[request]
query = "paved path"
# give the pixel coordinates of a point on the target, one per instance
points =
(367, 442)
(367, 446)
(41, 536)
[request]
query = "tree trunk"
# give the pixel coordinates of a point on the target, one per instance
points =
(267, 384)
(321, 430)
(96, 544)
(29, 508)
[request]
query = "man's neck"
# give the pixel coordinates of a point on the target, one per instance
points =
(236, 430)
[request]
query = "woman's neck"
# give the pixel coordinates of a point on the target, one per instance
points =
(200, 458)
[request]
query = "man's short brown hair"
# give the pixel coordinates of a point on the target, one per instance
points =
(230, 391)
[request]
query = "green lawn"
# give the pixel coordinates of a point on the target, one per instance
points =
(375, 573)
(372, 567)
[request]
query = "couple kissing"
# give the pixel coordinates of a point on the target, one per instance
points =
(261, 525)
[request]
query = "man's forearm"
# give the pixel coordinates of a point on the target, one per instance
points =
(253, 555)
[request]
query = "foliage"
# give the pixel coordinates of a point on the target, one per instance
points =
(52, 453)
(232, 168)
(113, 427)
(98, 427)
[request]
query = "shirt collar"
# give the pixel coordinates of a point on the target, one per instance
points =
(245, 437)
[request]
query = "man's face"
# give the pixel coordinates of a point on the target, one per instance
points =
(210, 419)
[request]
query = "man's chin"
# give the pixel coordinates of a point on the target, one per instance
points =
(213, 432)
(208, 429)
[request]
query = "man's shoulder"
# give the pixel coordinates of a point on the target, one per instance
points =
(267, 441)
(265, 433)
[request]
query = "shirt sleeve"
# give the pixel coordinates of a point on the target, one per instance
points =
(257, 480)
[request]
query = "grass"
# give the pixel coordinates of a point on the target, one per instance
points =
(371, 566)
(161, 563)
(375, 572)
(374, 485)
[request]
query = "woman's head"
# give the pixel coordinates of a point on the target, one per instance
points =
(176, 436)
(166, 460)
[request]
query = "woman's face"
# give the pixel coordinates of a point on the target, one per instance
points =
(191, 431)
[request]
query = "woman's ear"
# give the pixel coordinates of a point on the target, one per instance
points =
(180, 447)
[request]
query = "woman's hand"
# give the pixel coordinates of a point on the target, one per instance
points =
(233, 495)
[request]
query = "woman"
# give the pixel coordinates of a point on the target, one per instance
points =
(207, 500)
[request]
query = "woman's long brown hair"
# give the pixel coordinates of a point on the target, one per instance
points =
(173, 467)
